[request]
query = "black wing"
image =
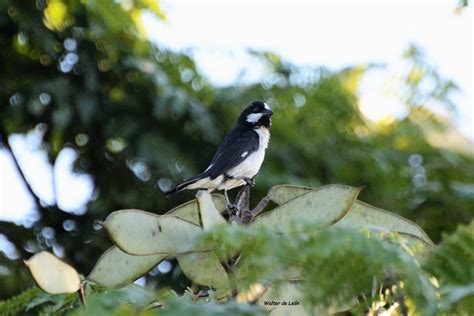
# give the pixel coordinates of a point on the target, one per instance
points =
(228, 155)
(230, 152)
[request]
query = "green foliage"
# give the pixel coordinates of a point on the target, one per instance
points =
(185, 306)
(34, 301)
(335, 265)
(129, 300)
(89, 81)
(456, 247)
(19, 303)
(452, 264)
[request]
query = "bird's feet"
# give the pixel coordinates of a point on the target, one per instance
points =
(232, 210)
(249, 181)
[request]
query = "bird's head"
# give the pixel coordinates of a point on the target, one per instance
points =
(256, 114)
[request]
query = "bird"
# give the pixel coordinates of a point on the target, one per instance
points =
(240, 155)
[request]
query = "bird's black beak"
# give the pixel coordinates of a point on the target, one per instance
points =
(267, 112)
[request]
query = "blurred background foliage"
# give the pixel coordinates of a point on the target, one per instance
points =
(82, 75)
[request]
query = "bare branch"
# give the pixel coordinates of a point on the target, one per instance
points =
(242, 200)
(260, 206)
(4, 140)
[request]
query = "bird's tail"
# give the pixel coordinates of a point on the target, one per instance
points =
(182, 186)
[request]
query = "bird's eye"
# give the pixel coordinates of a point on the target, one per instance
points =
(255, 110)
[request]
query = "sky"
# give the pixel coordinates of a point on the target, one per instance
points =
(335, 34)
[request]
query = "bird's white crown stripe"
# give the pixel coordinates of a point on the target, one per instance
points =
(253, 117)
(266, 106)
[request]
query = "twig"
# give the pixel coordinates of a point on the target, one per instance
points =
(242, 200)
(229, 267)
(243, 204)
(4, 140)
(82, 293)
(260, 206)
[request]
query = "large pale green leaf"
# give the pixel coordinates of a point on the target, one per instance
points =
(282, 193)
(363, 215)
(53, 275)
(205, 269)
(116, 268)
(141, 233)
(210, 216)
(322, 207)
(189, 211)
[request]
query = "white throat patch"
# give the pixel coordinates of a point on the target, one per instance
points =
(253, 117)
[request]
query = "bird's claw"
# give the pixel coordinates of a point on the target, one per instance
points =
(232, 210)
(249, 181)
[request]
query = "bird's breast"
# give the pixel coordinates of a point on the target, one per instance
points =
(251, 165)
(263, 136)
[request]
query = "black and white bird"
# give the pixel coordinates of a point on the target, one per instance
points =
(240, 155)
